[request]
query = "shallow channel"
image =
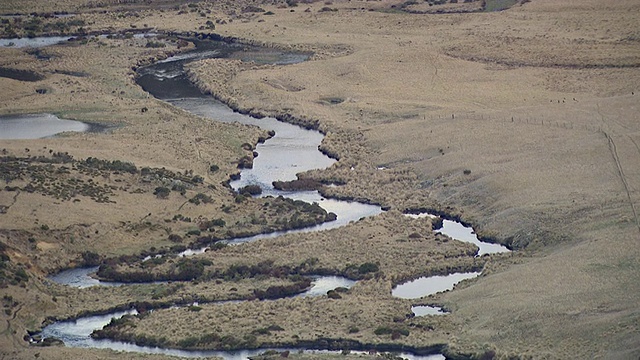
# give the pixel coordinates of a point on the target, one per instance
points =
(166, 80)
(458, 231)
(76, 333)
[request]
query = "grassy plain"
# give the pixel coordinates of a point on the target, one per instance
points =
(523, 122)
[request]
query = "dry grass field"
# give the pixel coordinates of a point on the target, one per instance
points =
(523, 122)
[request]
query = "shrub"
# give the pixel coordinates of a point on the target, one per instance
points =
(251, 190)
(200, 197)
(189, 342)
(218, 222)
(299, 184)
(218, 246)
(395, 332)
(179, 187)
(195, 232)
(245, 162)
(115, 165)
(162, 192)
(368, 268)
(276, 292)
(90, 258)
(21, 275)
(155, 44)
(437, 223)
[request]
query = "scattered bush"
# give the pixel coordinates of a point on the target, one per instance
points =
(155, 44)
(250, 190)
(368, 268)
(201, 198)
(437, 223)
(90, 259)
(297, 185)
(115, 165)
(161, 192)
(394, 331)
(280, 291)
(195, 232)
(245, 162)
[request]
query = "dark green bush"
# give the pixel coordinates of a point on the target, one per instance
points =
(162, 192)
(368, 268)
(155, 44)
(200, 197)
(90, 258)
(250, 190)
(195, 232)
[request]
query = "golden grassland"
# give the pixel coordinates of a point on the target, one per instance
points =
(523, 122)
(409, 250)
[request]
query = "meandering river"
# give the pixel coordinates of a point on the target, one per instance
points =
(292, 150)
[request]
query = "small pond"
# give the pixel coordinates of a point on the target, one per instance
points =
(33, 42)
(426, 286)
(424, 310)
(36, 126)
